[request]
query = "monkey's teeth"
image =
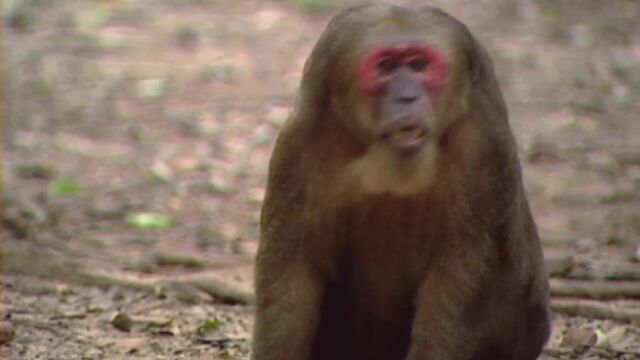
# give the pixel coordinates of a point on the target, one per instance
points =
(406, 135)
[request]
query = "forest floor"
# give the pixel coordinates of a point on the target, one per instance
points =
(138, 135)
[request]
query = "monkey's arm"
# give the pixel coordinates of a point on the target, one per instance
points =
(287, 313)
(288, 289)
(438, 328)
(485, 300)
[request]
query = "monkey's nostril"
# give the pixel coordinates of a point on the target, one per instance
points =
(406, 99)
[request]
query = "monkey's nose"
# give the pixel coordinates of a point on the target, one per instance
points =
(407, 99)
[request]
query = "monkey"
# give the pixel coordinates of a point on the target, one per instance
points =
(395, 224)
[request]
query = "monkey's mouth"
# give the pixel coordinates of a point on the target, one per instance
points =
(406, 139)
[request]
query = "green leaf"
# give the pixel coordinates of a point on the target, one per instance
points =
(63, 187)
(209, 325)
(160, 171)
(317, 5)
(149, 220)
(151, 88)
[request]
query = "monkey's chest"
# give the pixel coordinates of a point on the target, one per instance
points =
(381, 248)
(384, 265)
(383, 258)
(386, 242)
(372, 297)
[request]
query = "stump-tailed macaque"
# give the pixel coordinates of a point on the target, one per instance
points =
(395, 224)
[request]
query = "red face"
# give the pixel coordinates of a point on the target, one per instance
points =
(423, 60)
(404, 81)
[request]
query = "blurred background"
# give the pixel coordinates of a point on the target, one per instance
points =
(137, 137)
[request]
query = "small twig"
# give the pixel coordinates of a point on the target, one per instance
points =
(557, 352)
(594, 309)
(583, 350)
(595, 289)
(601, 270)
(222, 290)
(160, 259)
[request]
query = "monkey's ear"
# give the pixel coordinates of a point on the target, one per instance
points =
(315, 87)
(482, 76)
(479, 64)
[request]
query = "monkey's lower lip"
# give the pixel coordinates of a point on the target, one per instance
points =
(406, 141)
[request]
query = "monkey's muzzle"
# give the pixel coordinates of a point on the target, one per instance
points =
(405, 136)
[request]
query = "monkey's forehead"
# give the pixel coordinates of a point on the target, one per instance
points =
(397, 19)
(383, 39)
(374, 26)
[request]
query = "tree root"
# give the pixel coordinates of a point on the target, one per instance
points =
(49, 265)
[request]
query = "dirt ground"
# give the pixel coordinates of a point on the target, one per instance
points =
(138, 134)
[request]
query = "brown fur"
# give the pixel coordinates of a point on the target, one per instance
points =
(366, 256)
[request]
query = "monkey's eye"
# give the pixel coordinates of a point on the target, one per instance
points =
(417, 64)
(387, 65)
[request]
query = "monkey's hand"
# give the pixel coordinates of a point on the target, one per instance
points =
(287, 313)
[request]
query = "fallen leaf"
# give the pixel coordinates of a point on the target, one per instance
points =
(149, 220)
(209, 325)
(63, 187)
(578, 336)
